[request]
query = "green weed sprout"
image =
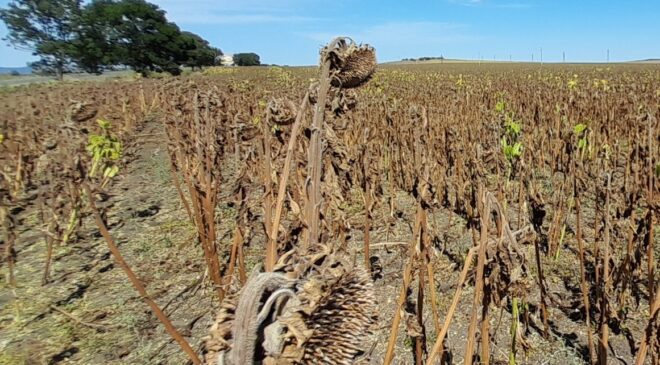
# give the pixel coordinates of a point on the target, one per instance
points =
(580, 131)
(105, 150)
(510, 141)
(500, 107)
(573, 82)
(460, 82)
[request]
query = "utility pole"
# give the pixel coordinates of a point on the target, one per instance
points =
(509, 57)
(608, 55)
(532, 57)
(563, 57)
(541, 55)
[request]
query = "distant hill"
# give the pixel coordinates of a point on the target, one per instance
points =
(21, 70)
(430, 60)
(426, 60)
(649, 60)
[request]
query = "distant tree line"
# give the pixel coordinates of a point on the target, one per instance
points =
(68, 35)
(424, 58)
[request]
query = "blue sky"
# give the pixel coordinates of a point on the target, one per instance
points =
(292, 31)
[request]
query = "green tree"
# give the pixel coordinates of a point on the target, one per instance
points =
(246, 59)
(103, 33)
(135, 33)
(198, 51)
(147, 41)
(46, 27)
(95, 46)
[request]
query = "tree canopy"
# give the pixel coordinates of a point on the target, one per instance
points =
(198, 51)
(45, 27)
(246, 59)
(135, 33)
(102, 34)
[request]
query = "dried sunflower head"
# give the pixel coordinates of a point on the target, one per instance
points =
(314, 309)
(80, 112)
(350, 65)
(282, 111)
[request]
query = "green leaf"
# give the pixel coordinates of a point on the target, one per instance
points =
(513, 128)
(582, 143)
(516, 127)
(111, 172)
(579, 128)
(517, 149)
(103, 123)
(501, 105)
(103, 149)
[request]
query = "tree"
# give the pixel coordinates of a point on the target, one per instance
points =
(198, 51)
(102, 34)
(46, 27)
(133, 33)
(94, 47)
(136, 33)
(246, 59)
